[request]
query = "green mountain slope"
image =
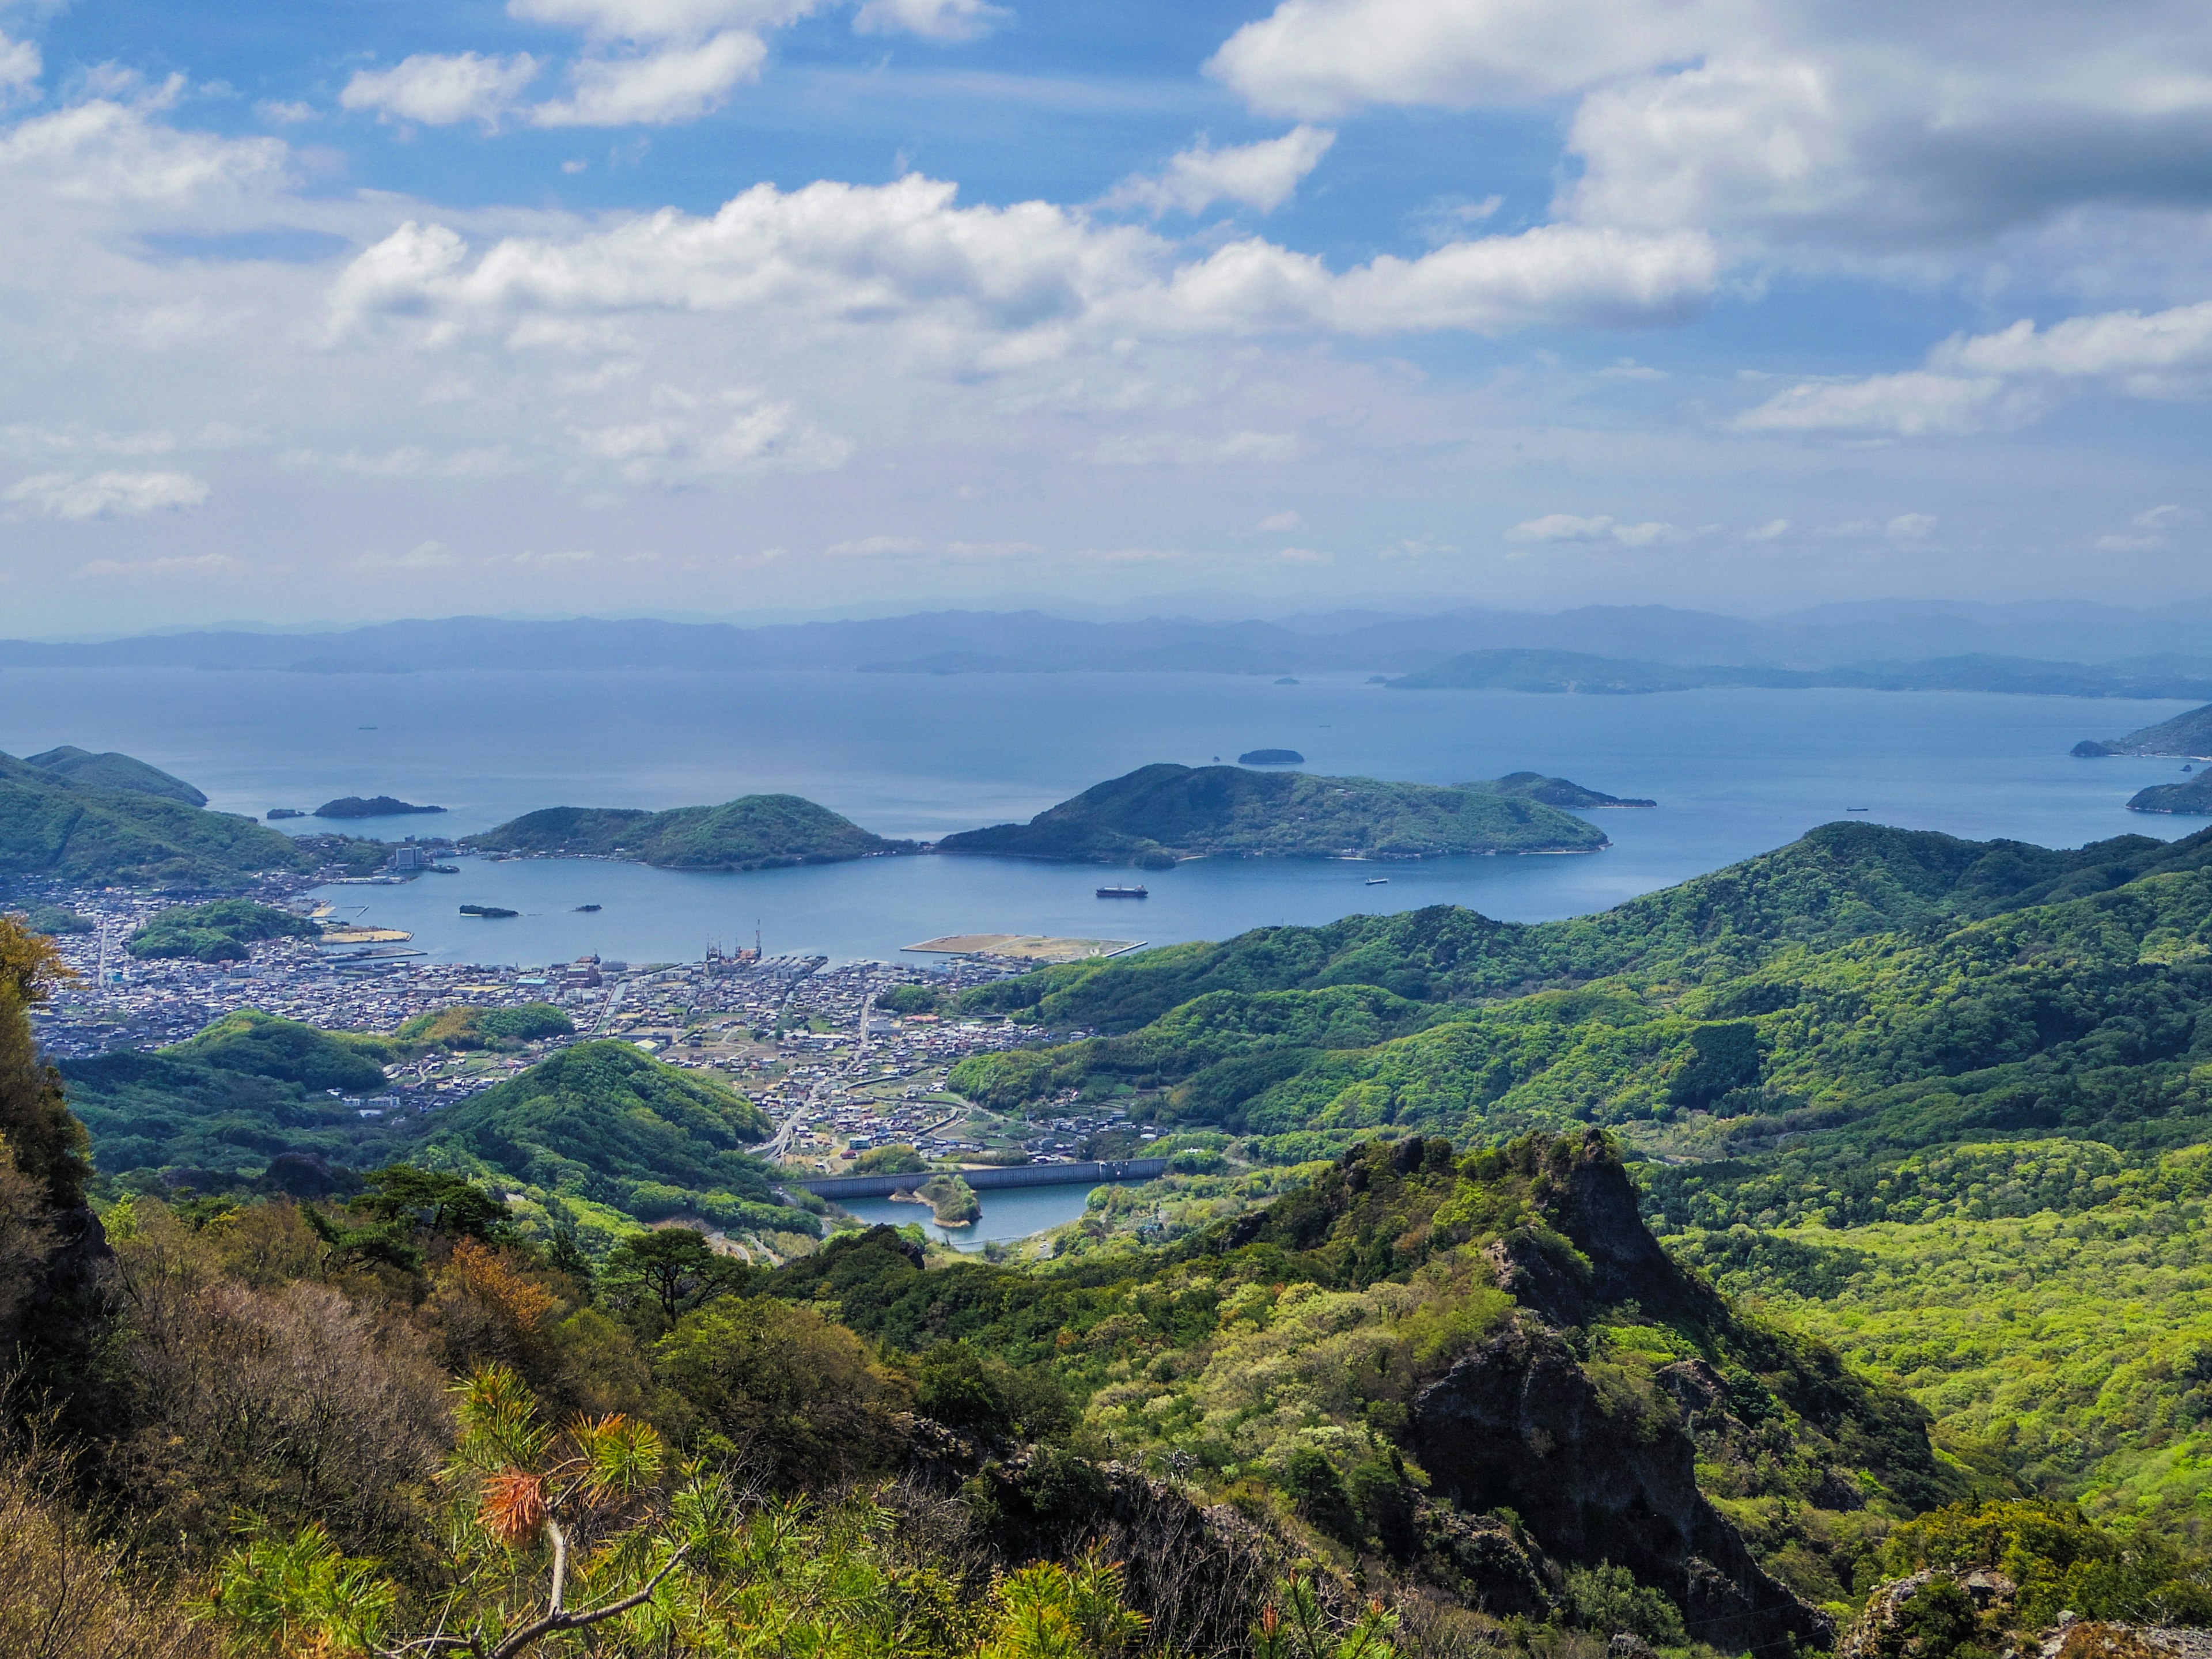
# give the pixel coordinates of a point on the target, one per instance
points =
(2189, 734)
(1158, 814)
(2191, 800)
(115, 772)
(219, 931)
(605, 1122)
(248, 1090)
(53, 825)
(753, 832)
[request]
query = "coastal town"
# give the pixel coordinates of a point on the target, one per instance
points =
(804, 1038)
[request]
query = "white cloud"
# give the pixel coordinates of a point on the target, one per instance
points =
(201, 564)
(1998, 382)
(932, 20)
(1263, 175)
(1018, 281)
(876, 547)
(438, 91)
(20, 68)
(1771, 531)
(711, 438)
(107, 495)
(1911, 527)
(1321, 58)
(660, 19)
(1914, 404)
(659, 88)
(284, 112)
(1561, 528)
(2147, 529)
(1279, 521)
(1597, 528)
(108, 152)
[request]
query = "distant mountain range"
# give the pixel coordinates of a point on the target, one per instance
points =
(2073, 648)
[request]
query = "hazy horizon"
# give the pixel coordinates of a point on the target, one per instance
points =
(579, 307)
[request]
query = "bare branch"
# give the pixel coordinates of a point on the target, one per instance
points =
(557, 1621)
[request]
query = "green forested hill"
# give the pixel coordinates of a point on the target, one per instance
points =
(56, 823)
(2189, 799)
(1158, 814)
(114, 771)
(2185, 734)
(753, 832)
(1948, 1104)
(612, 1125)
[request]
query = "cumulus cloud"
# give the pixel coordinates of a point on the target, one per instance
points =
(107, 495)
(109, 152)
(20, 68)
(1999, 381)
(1911, 527)
(711, 438)
(2148, 530)
(1826, 133)
(656, 88)
(932, 20)
(438, 91)
(1596, 528)
(1318, 58)
(1019, 280)
(1263, 175)
(1279, 521)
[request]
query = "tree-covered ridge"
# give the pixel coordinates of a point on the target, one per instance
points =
(1324, 1348)
(1158, 814)
(115, 771)
(2189, 734)
(753, 832)
(1841, 881)
(465, 1026)
(2189, 799)
(606, 1123)
(1563, 792)
(53, 824)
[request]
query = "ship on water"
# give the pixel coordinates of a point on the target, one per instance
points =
(1123, 892)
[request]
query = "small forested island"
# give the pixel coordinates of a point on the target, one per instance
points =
(370, 806)
(276, 814)
(1158, 814)
(951, 1199)
(1552, 792)
(753, 832)
(2187, 734)
(108, 820)
(2189, 799)
(1270, 757)
(489, 912)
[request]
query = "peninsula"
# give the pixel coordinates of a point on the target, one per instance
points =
(753, 832)
(1552, 792)
(108, 820)
(1157, 815)
(2191, 800)
(2189, 734)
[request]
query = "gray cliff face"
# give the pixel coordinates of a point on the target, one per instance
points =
(1518, 1424)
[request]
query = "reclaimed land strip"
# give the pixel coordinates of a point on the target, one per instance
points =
(1018, 1174)
(1028, 947)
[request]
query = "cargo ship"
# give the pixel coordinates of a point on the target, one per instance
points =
(1123, 892)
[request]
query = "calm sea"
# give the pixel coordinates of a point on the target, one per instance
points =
(1734, 772)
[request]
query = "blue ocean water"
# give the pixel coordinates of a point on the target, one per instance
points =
(1736, 773)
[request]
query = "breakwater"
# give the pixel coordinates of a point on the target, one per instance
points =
(1013, 1175)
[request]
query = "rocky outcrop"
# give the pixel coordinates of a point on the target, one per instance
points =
(1519, 1424)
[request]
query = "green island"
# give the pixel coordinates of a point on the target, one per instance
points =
(1523, 669)
(952, 1200)
(2188, 735)
(2189, 799)
(370, 806)
(753, 832)
(117, 822)
(1813, 1254)
(1157, 814)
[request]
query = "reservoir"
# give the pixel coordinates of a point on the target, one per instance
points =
(1010, 1213)
(1734, 772)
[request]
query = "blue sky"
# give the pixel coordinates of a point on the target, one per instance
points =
(715, 306)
